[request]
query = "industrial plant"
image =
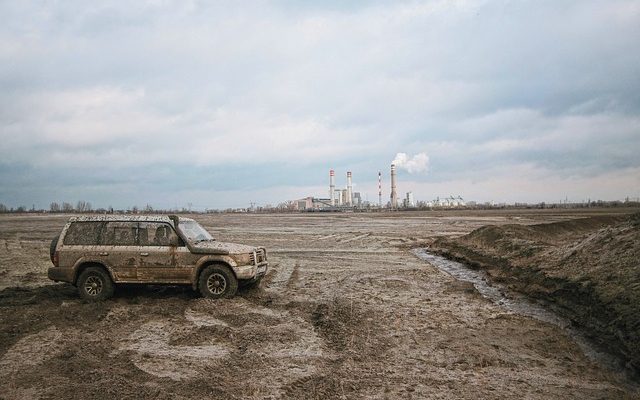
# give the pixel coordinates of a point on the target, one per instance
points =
(348, 200)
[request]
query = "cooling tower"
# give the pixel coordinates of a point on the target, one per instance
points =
(349, 199)
(394, 195)
(332, 187)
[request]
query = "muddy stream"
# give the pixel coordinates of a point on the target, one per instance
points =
(522, 305)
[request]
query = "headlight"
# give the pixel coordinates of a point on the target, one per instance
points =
(243, 259)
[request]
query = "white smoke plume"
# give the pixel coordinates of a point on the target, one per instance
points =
(418, 163)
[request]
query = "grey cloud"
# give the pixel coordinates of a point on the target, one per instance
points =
(272, 84)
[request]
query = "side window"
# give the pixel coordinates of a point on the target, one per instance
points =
(156, 234)
(83, 233)
(118, 233)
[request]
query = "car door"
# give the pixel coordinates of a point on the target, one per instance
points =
(81, 242)
(119, 249)
(163, 257)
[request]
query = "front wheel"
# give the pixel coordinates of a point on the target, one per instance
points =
(94, 284)
(217, 281)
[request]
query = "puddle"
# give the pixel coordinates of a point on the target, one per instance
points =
(519, 304)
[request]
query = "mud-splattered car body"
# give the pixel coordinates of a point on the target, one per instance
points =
(153, 250)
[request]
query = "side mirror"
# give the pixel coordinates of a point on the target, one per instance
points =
(175, 241)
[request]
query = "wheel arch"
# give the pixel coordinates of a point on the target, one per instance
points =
(207, 261)
(84, 264)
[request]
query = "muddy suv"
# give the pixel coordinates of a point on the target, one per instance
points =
(95, 253)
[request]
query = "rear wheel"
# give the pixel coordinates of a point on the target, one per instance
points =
(95, 284)
(52, 246)
(217, 281)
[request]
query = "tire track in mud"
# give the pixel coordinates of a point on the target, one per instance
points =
(273, 341)
(154, 353)
(346, 327)
(32, 350)
(350, 332)
(343, 328)
(354, 238)
(294, 277)
(282, 275)
(328, 236)
(264, 335)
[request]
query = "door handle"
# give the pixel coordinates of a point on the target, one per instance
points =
(144, 254)
(104, 253)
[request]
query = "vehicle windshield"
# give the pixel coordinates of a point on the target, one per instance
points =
(194, 232)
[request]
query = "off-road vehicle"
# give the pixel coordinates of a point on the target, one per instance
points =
(94, 253)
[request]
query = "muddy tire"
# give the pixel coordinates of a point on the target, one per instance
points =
(52, 246)
(217, 281)
(94, 284)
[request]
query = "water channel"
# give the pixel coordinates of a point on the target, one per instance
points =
(521, 305)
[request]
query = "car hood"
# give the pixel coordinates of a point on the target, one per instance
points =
(215, 247)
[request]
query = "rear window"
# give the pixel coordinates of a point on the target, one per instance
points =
(83, 233)
(120, 233)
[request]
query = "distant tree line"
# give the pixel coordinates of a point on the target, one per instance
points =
(86, 207)
(81, 206)
(55, 207)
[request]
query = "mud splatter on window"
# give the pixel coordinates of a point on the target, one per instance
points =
(83, 233)
(156, 234)
(120, 234)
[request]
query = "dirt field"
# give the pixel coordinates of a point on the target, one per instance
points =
(347, 311)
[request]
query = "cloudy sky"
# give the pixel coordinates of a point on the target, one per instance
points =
(219, 104)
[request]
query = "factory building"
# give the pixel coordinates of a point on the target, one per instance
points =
(304, 204)
(408, 201)
(446, 202)
(357, 199)
(312, 203)
(337, 195)
(346, 199)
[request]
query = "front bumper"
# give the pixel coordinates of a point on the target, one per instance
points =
(251, 271)
(60, 274)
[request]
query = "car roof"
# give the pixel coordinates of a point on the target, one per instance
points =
(134, 218)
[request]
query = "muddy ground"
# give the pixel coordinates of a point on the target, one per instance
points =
(346, 311)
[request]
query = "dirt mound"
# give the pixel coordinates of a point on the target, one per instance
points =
(525, 240)
(588, 268)
(574, 227)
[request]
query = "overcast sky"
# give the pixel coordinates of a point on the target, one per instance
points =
(221, 103)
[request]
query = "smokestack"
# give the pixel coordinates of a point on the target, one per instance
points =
(394, 195)
(332, 187)
(349, 199)
(379, 189)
